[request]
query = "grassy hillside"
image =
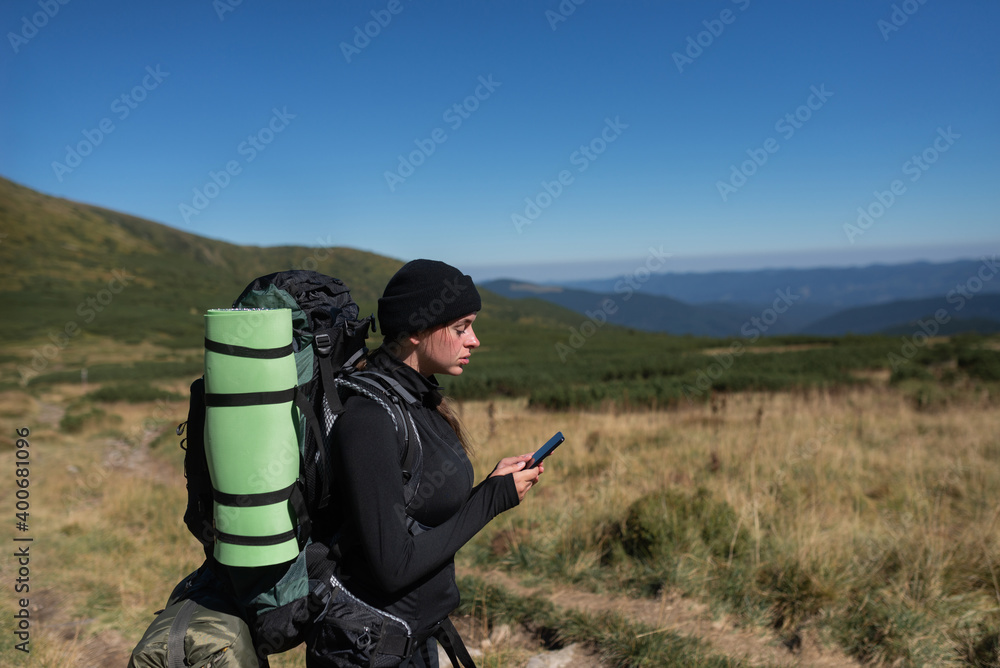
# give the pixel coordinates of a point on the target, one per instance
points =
(132, 279)
(118, 275)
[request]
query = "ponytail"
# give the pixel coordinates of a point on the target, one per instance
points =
(447, 411)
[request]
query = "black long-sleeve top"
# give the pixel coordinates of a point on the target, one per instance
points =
(411, 576)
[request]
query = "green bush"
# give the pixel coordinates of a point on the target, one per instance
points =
(792, 593)
(911, 371)
(875, 628)
(79, 416)
(981, 363)
(661, 527)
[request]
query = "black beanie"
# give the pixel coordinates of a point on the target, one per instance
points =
(423, 294)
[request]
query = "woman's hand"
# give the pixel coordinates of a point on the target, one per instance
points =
(524, 479)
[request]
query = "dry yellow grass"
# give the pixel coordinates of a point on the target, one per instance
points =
(840, 485)
(835, 482)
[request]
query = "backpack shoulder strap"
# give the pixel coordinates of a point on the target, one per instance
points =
(367, 384)
(448, 637)
(175, 637)
(370, 376)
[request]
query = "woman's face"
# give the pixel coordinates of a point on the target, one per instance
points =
(446, 349)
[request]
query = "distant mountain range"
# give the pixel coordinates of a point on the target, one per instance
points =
(957, 296)
(840, 287)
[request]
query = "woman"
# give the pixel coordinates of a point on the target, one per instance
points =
(426, 315)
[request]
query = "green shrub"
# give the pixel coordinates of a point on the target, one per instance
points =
(981, 363)
(877, 629)
(668, 523)
(79, 416)
(910, 371)
(792, 594)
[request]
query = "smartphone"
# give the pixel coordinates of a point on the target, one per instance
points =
(544, 451)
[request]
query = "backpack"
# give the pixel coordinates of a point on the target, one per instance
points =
(280, 601)
(200, 626)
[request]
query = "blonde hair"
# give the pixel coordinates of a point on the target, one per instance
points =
(447, 411)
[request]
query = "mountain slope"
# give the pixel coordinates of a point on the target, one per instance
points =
(662, 314)
(630, 309)
(71, 268)
(981, 312)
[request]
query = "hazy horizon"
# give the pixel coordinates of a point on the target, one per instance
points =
(680, 264)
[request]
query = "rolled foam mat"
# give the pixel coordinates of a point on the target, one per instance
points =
(251, 437)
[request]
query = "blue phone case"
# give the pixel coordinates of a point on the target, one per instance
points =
(545, 450)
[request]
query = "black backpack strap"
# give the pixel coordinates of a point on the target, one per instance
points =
(447, 635)
(383, 389)
(367, 374)
(198, 514)
(298, 500)
(314, 462)
(323, 343)
(413, 458)
(178, 630)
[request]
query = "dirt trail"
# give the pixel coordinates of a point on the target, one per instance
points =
(689, 618)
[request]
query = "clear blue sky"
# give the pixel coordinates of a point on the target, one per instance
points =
(330, 121)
